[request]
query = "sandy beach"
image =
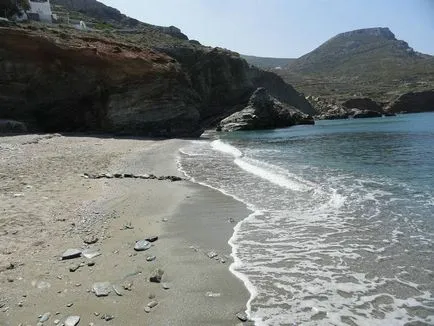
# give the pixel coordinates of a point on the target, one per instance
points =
(49, 206)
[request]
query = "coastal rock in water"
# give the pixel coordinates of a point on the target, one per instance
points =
(72, 320)
(102, 289)
(358, 114)
(156, 276)
(142, 245)
(413, 102)
(362, 104)
(264, 112)
(71, 253)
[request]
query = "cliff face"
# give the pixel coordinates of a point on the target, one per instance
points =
(58, 82)
(413, 102)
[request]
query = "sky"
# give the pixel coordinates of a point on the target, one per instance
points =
(284, 28)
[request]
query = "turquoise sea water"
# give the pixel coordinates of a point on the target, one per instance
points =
(343, 225)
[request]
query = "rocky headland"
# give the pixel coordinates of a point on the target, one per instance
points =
(146, 82)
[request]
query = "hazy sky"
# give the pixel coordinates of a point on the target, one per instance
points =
(284, 28)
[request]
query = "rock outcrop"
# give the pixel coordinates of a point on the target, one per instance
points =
(56, 81)
(264, 112)
(412, 102)
(362, 104)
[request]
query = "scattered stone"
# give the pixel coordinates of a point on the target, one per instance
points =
(20, 304)
(10, 279)
(156, 276)
(213, 294)
(77, 284)
(91, 253)
(72, 320)
(212, 254)
(57, 313)
(127, 226)
(165, 220)
(142, 245)
(39, 324)
(107, 317)
(73, 268)
(71, 253)
(117, 290)
(41, 284)
(223, 261)
(118, 175)
(152, 304)
(150, 258)
(166, 286)
(152, 238)
(90, 239)
(231, 220)
(45, 317)
(143, 176)
(151, 296)
(56, 321)
(127, 286)
(108, 176)
(96, 314)
(147, 309)
(69, 304)
(101, 289)
(242, 316)
(91, 263)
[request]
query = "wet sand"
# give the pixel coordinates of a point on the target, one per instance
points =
(47, 206)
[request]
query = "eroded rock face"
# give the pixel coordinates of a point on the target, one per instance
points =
(413, 102)
(264, 112)
(58, 82)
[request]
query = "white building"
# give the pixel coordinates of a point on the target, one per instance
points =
(41, 9)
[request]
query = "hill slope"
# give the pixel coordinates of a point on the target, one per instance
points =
(267, 63)
(367, 62)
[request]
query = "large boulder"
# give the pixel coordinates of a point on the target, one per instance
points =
(413, 102)
(362, 104)
(264, 112)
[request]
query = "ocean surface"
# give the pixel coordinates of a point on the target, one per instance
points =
(342, 228)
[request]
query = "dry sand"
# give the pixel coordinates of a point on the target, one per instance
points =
(47, 206)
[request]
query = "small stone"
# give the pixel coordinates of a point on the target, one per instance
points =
(212, 254)
(166, 286)
(45, 317)
(117, 290)
(91, 263)
(127, 286)
(69, 304)
(72, 320)
(91, 253)
(73, 268)
(213, 294)
(108, 317)
(57, 313)
(101, 289)
(151, 296)
(147, 309)
(118, 175)
(20, 304)
(56, 321)
(71, 253)
(152, 238)
(156, 275)
(96, 314)
(150, 258)
(152, 304)
(10, 279)
(77, 284)
(142, 245)
(242, 316)
(40, 324)
(108, 175)
(223, 261)
(90, 239)
(165, 220)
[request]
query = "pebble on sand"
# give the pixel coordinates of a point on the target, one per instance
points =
(71, 253)
(150, 258)
(72, 320)
(152, 304)
(101, 289)
(91, 253)
(117, 290)
(242, 316)
(142, 245)
(147, 309)
(152, 238)
(212, 254)
(156, 276)
(45, 317)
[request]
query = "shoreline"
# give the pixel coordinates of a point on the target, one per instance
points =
(202, 291)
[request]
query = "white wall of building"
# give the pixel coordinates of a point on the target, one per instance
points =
(41, 8)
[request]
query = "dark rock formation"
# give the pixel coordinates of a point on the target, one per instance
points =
(264, 112)
(12, 126)
(413, 102)
(363, 104)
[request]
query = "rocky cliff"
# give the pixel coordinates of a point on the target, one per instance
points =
(413, 102)
(61, 80)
